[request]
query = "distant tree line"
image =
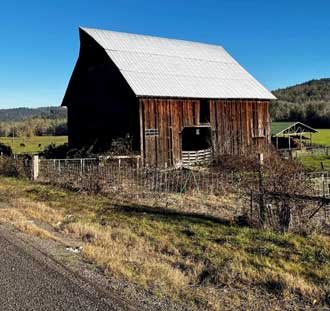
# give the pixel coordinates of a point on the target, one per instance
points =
(34, 127)
(313, 114)
(21, 114)
(308, 102)
(313, 91)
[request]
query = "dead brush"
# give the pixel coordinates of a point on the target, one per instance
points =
(92, 182)
(272, 186)
(11, 167)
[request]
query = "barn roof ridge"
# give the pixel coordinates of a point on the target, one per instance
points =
(164, 67)
(151, 36)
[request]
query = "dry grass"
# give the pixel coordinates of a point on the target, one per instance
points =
(24, 223)
(201, 262)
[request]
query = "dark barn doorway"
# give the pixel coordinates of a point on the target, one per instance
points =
(196, 138)
(196, 146)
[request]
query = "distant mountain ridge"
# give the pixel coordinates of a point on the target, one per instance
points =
(20, 114)
(313, 91)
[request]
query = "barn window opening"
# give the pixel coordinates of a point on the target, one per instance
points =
(257, 129)
(194, 139)
(204, 111)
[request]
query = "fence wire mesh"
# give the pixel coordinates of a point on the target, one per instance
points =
(223, 194)
(126, 176)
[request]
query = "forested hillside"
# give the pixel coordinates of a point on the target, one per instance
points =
(308, 102)
(33, 121)
(20, 114)
(311, 91)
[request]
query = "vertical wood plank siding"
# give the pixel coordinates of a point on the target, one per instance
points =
(234, 129)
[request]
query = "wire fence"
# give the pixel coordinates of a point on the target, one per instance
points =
(296, 153)
(126, 175)
(129, 177)
(282, 212)
(264, 199)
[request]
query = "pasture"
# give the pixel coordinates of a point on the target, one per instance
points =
(32, 144)
(314, 162)
(322, 137)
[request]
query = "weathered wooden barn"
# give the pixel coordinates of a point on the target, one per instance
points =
(178, 101)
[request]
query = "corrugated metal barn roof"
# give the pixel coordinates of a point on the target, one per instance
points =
(162, 67)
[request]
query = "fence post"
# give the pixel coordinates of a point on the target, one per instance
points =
(137, 163)
(262, 208)
(35, 167)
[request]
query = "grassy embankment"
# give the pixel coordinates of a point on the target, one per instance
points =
(31, 144)
(204, 263)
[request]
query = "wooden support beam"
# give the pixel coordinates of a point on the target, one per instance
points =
(289, 137)
(141, 131)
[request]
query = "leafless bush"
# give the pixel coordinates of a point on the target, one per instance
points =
(92, 182)
(277, 174)
(277, 188)
(301, 214)
(11, 167)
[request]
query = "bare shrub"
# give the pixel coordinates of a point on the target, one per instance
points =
(11, 167)
(278, 174)
(92, 182)
(277, 188)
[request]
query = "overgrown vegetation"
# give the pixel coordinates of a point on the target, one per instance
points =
(203, 263)
(120, 146)
(19, 168)
(63, 151)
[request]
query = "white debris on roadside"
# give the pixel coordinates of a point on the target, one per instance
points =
(75, 250)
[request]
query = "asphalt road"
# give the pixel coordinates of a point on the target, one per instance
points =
(29, 280)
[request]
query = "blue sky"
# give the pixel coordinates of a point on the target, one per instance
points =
(280, 42)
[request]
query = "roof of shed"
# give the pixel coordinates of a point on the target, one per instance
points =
(290, 128)
(162, 67)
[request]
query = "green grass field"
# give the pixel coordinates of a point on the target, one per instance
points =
(322, 137)
(314, 162)
(33, 144)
